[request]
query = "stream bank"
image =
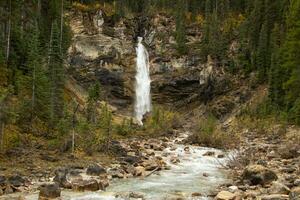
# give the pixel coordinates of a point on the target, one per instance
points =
(163, 170)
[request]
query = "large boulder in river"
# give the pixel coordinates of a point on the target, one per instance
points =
(85, 185)
(49, 191)
(95, 170)
(61, 178)
(17, 181)
(295, 193)
(225, 195)
(258, 174)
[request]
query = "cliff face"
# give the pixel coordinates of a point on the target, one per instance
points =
(104, 51)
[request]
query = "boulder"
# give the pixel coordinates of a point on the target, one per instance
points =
(295, 193)
(274, 197)
(49, 191)
(225, 195)
(95, 170)
(139, 171)
(17, 181)
(2, 180)
(174, 160)
(103, 183)
(150, 165)
(278, 188)
(258, 174)
(61, 178)
(8, 189)
(209, 153)
(85, 185)
(233, 189)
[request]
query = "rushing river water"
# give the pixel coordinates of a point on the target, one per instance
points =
(194, 174)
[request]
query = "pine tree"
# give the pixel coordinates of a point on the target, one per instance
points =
(38, 76)
(94, 96)
(262, 54)
(291, 62)
(57, 75)
(180, 34)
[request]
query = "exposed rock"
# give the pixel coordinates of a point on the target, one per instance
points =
(233, 189)
(61, 178)
(95, 170)
(258, 174)
(8, 189)
(49, 191)
(278, 188)
(295, 193)
(274, 197)
(209, 153)
(150, 165)
(17, 181)
(85, 185)
(297, 182)
(2, 180)
(103, 183)
(139, 171)
(289, 151)
(225, 195)
(174, 160)
(196, 194)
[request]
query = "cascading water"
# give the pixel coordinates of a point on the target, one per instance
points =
(142, 87)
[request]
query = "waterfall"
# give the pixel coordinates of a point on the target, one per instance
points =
(142, 87)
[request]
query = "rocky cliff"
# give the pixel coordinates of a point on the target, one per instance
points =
(103, 50)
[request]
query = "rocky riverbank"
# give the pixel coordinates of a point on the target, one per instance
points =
(141, 159)
(266, 167)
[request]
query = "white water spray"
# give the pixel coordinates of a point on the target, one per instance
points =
(142, 87)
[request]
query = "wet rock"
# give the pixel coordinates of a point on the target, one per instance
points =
(139, 171)
(61, 178)
(289, 152)
(274, 197)
(187, 149)
(17, 181)
(131, 159)
(196, 194)
(150, 165)
(233, 189)
(220, 156)
(2, 180)
(258, 174)
(117, 173)
(95, 170)
(103, 183)
(174, 160)
(295, 193)
(8, 189)
(49, 191)
(136, 195)
(1, 191)
(278, 188)
(209, 153)
(225, 195)
(85, 185)
(205, 174)
(297, 182)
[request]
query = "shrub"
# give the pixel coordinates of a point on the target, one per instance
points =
(207, 134)
(161, 121)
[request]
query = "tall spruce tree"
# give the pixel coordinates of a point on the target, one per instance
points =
(57, 75)
(180, 34)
